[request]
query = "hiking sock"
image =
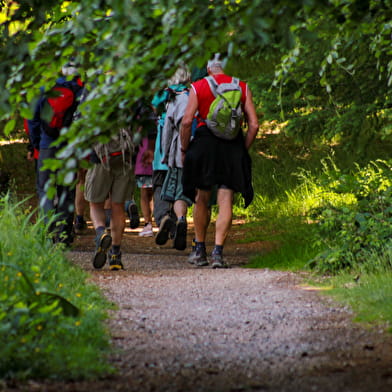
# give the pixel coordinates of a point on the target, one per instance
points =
(115, 249)
(108, 216)
(218, 250)
(200, 246)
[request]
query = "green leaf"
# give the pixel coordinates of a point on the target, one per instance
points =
(67, 307)
(297, 94)
(10, 126)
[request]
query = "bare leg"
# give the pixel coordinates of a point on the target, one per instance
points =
(97, 214)
(180, 208)
(146, 204)
(117, 223)
(225, 215)
(200, 215)
(80, 201)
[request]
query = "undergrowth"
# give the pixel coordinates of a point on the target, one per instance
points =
(51, 319)
(324, 213)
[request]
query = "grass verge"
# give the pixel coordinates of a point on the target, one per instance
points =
(303, 208)
(52, 321)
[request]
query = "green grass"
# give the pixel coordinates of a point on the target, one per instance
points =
(367, 289)
(292, 185)
(369, 295)
(291, 253)
(52, 321)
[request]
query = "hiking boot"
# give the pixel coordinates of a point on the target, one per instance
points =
(180, 234)
(200, 259)
(192, 255)
(102, 244)
(218, 262)
(115, 263)
(147, 231)
(133, 213)
(165, 228)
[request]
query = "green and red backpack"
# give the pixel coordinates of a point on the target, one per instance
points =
(225, 114)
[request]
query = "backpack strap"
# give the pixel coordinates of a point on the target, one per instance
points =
(213, 84)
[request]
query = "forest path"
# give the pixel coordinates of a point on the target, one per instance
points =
(181, 328)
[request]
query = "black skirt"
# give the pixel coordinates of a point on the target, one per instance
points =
(213, 161)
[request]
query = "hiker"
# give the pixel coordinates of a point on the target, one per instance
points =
(144, 125)
(163, 210)
(171, 146)
(211, 160)
(143, 174)
(110, 178)
(62, 100)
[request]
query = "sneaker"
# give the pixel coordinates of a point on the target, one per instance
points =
(200, 258)
(147, 231)
(165, 228)
(218, 262)
(115, 263)
(102, 244)
(133, 213)
(180, 234)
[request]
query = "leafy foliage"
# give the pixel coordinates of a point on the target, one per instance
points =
(351, 231)
(51, 321)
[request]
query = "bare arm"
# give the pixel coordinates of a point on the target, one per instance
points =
(253, 123)
(186, 124)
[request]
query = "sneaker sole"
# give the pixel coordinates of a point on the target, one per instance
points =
(200, 263)
(116, 267)
(100, 256)
(134, 219)
(163, 233)
(180, 236)
(219, 265)
(146, 235)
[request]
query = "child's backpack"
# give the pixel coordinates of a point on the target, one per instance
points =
(225, 114)
(58, 109)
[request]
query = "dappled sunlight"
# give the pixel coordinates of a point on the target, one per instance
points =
(314, 288)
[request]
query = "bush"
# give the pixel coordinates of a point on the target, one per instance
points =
(350, 231)
(51, 321)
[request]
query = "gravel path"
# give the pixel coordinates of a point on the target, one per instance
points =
(181, 328)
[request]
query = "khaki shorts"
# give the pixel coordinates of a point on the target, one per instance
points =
(117, 180)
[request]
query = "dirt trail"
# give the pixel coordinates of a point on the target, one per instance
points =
(181, 328)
